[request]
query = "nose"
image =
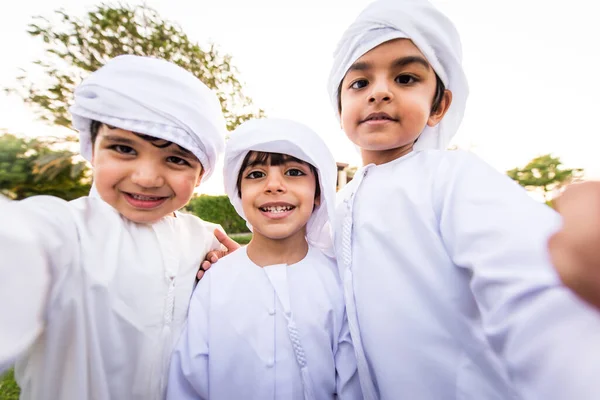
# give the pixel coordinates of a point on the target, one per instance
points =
(380, 92)
(148, 174)
(275, 183)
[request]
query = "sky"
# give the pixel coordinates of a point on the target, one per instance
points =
(532, 67)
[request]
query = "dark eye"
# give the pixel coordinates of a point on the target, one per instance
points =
(405, 79)
(359, 84)
(122, 149)
(294, 172)
(177, 160)
(255, 175)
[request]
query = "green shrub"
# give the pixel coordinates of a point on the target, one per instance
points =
(8, 387)
(242, 238)
(219, 210)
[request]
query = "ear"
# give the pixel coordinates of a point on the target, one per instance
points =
(199, 179)
(93, 160)
(436, 117)
(317, 201)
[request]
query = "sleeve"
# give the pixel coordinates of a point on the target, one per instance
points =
(548, 340)
(346, 379)
(36, 239)
(188, 374)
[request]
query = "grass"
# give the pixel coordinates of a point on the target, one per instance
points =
(9, 390)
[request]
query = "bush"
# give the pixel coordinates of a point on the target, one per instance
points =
(219, 210)
(8, 387)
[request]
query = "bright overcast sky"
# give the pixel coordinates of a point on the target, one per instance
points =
(532, 66)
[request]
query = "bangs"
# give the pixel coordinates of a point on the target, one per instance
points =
(254, 158)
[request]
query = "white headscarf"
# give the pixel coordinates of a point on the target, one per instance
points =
(152, 97)
(294, 139)
(435, 36)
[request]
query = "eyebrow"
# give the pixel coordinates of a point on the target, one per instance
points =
(119, 139)
(182, 152)
(399, 62)
(178, 150)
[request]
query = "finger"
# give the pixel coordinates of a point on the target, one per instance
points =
(213, 256)
(200, 274)
(206, 265)
(226, 241)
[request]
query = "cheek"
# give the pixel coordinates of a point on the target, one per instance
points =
(108, 172)
(184, 183)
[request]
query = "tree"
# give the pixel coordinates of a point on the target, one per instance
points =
(28, 168)
(75, 47)
(544, 173)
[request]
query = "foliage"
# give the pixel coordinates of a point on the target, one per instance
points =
(30, 167)
(75, 47)
(9, 390)
(217, 209)
(544, 173)
(242, 238)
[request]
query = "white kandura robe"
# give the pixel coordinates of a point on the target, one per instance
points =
(449, 282)
(236, 343)
(92, 303)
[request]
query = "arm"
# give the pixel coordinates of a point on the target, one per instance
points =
(188, 375)
(346, 373)
(33, 234)
(575, 249)
(547, 339)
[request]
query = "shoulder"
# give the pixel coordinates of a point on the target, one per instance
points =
(325, 265)
(196, 227)
(231, 263)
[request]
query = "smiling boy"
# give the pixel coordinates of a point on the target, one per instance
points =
(97, 289)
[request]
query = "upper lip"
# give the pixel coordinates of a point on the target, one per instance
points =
(145, 194)
(378, 115)
(276, 204)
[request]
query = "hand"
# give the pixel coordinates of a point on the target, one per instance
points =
(214, 255)
(575, 249)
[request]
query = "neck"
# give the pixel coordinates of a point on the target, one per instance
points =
(264, 251)
(379, 157)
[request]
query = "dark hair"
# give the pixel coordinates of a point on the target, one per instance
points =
(274, 159)
(438, 96)
(156, 142)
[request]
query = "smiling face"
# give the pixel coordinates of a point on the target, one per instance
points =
(386, 100)
(143, 178)
(278, 194)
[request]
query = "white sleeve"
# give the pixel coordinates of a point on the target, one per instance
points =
(548, 340)
(346, 379)
(37, 235)
(188, 374)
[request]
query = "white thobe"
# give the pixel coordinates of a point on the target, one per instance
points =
(236, 344)
(450, 290)
(92, 302)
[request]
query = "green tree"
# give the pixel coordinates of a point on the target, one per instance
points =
(544, 174)
(30, 167)
(75, 47)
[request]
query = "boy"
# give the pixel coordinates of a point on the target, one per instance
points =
(268, 321)
(447, 278)
(575, 249)
(96, 290)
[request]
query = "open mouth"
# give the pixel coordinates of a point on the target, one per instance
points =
(144, 201)
(276, 209)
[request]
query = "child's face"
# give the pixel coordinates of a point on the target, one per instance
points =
(278, 200)
(141, 180)
(386, 98)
